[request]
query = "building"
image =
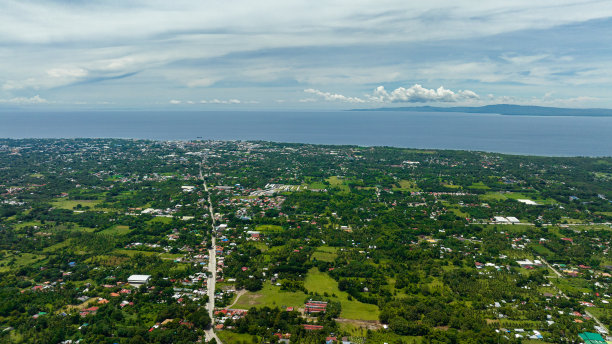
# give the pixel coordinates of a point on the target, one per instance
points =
(138, 280)
(592, 338)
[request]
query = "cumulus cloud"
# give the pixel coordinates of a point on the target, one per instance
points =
(334, 96)
(413, 94)
(24, 100)
(420, 94)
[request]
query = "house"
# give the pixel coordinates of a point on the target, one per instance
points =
(315, 307)
(592, 338)
(138, 280)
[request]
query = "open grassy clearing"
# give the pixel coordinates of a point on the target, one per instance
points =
(317, 185)
(321, 282)
(268, 228)
(339, 183)
(407, 185)
(390, 337)
(237, 338)
(161, 219)
(479, 186)
(271, 296)
(325, 253)
(116, 230)
(72, 204)
(498, 196)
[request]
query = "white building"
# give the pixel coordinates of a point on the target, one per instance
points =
(138, 280)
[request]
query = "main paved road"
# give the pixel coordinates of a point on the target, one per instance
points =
(212, 269)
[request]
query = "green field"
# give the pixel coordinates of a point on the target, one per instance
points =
(407, 185)
(237, 338)
(339, 183)
(317, 185)
(117, 230)
(498, 196)
(271, 296)
(268, 228)
(161, 219)
(71, 204)
(479, 186)
(325, 253)
(320, 282)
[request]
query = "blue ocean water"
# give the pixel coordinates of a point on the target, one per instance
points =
(531, 135)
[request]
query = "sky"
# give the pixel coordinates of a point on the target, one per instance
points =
(333, 54)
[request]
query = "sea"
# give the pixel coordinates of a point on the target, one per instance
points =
(525, 135)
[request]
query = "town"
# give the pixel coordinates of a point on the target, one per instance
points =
(134, 241)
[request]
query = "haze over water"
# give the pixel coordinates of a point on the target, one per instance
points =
(530, 135)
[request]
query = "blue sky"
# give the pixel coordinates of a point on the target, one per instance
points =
(237, 55)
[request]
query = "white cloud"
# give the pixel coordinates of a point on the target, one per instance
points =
(413, 94)
(175, 102)
(219, 101)
(67, 72)
(420, 94)
(24, 100)
(334, 96)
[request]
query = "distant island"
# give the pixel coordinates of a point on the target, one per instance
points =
(503, 109)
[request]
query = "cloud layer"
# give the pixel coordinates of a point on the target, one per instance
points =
(146, 53)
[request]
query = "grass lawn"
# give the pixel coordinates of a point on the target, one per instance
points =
(161, 219)
(407, 185)
(237, 338)
(492, 196)
(325, 253)
(269, 228)
(321, 282)
(459, 213)
(117, 230)
(479, 186)
(317, 185)
(71, 204)
(271, 296)
(337, 182)
(171, 255)
(390, 337)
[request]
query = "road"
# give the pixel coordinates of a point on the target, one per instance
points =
(212, 269)
(565, 296)
(550, 266)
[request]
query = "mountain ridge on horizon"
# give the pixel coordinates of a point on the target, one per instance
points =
(504, 109)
